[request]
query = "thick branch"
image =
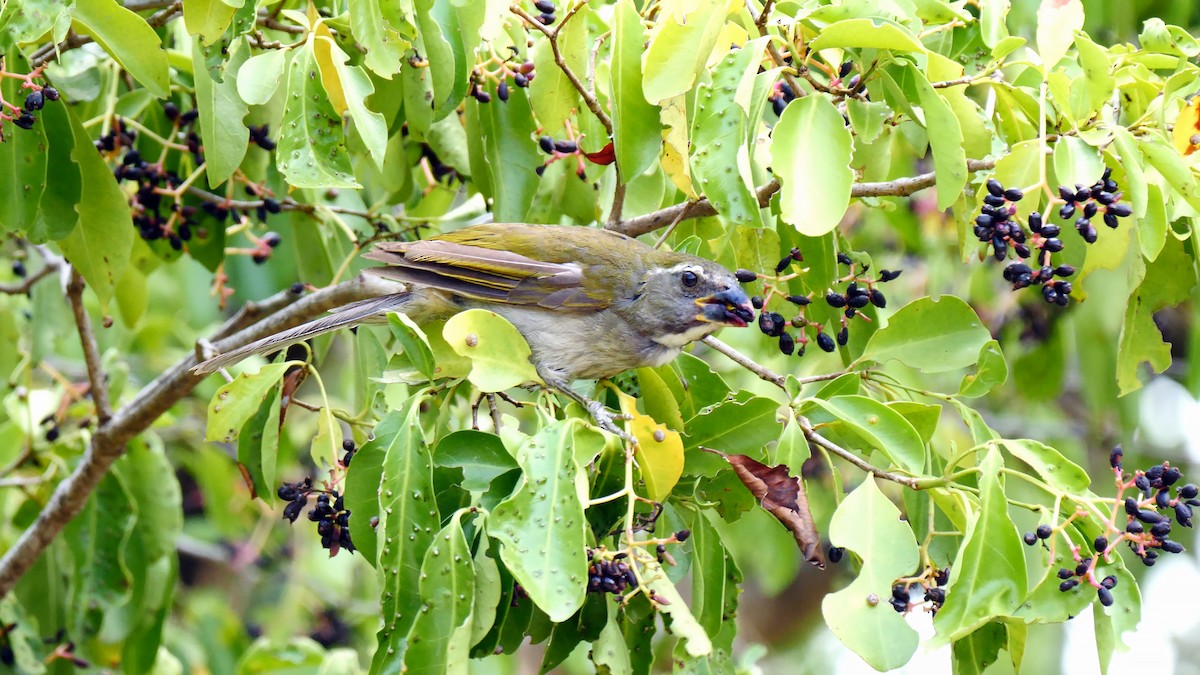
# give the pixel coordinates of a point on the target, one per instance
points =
(108, 443)
(97, 378)
(900, 187)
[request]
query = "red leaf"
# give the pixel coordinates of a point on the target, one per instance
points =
(604, 156)
(783, 497)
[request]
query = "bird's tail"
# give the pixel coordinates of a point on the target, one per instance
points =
(349, 315)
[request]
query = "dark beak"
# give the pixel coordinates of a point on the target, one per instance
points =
(729, 307)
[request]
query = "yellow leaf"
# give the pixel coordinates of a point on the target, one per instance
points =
(323, 51)
(1186, 135)
(1057, 22)
(659, 450)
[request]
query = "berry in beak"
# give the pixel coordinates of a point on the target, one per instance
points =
(729, 307)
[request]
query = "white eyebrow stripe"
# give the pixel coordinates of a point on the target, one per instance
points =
(681, 267)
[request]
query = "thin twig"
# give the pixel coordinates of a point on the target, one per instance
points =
(51, 263)
(108, 442)
(819, 440)
(51, 51)
(91, 353)
(900, 187)
(589, 98)
(746, 362)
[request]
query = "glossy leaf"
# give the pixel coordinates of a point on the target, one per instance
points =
(208, 19)
(237, 401)
(867, 523)
(872, 33)
(541, 526)
(881, 427)
(678, 51)
(499, 354)
(311, 150)
(659, 450)
(945, 139)
(481, 456)
(811, 153)
(408, 520)
(991, 371)
(742, 428)
(382, 28)
(440, 638)
(130, 40)
(989, 577)
(636, 129)
(930, 335)
(221, 112)
(414, 344)
(511, 155)
(1049, 463)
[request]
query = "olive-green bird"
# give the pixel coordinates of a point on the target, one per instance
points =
(591, 303)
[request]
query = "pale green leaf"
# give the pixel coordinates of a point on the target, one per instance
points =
(811, 152)
(498, 352)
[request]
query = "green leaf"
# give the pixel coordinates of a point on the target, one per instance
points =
(311, 152)
(720, 158)
(512, 156)
(414, 344)
(679, 50)
(208, 19)
(992, 16)
(481, 456)
(328, 442)
(869, 33)
(637, 132)
(1097, 67)
(697, 642)
(733, 427)
(221, 113)
(710, 574)
(814, 184)
(257, 449)
(541, 526)
(1076, 162)
(552, 96)
(487, 594)
(236, 402)
(1178, 174)
(1058, 471)
(356, 89)
(1135, 175)
(259, 76)
(883, 428)
(609, 652)
(130, 40)
(99, 245)
(1140, 339)
(361, 494)
(989, 571)
(658, 399)
(945, 139)
(440, 638)
(991, 370)
(408, 519)
(867, 523)
(499, 354)
(382, 28)
(974, 653)
(931, 335)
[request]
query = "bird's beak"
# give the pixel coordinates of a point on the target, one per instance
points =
(730, 307)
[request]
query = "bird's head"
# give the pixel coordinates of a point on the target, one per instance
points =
(685, 298)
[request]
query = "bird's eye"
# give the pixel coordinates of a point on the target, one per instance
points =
(689, 278)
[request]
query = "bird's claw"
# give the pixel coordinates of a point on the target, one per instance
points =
(607, 421)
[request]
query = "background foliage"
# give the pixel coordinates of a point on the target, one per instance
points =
(206, 154)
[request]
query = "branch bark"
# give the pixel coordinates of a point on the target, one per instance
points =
(97, 378)
(108, 443)
(900, 187)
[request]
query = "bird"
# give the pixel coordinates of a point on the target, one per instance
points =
(592, 303)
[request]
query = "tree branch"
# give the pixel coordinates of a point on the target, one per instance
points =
(51, 51)
(108, 442)
(552, 34)
(51, 263)
(900, 187)
(97, 378)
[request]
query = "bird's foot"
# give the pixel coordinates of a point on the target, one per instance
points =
(607, 420)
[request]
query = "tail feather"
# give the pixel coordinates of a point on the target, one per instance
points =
(349, 315)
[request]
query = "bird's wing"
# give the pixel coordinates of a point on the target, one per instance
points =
(489, 274)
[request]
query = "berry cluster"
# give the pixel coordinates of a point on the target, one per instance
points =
(24, 116)
(781, 96)
(610, 575)
(858, 292)
(1146, 530)
(521, 77)
(562, 149)
(996, 226)
(933, 583)
(546, 7)
(329, 513)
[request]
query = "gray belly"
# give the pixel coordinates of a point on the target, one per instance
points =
(584, 346)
